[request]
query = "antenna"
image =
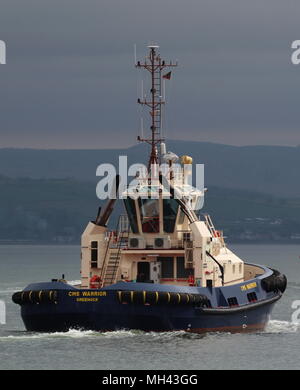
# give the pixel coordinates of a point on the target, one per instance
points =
(134, 48)
(142, 127)
(155, 65)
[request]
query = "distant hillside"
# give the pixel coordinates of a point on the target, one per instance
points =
(57, 210)
(265, 169)
(250, 216)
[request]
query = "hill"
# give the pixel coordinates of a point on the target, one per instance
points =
(57, 211)
(265, 169)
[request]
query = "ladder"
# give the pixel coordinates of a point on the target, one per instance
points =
(210, 225)
(111, 266)
(213, 231)
(123, 224)
(157, 97)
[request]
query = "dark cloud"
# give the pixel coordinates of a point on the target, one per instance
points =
(70, 81)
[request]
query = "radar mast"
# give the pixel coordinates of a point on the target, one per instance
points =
(155, 65)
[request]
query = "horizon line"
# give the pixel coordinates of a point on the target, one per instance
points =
(138, 144)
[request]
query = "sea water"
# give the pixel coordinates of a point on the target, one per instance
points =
(277, 347)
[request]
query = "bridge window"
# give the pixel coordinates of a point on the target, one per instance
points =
(131, 212)
(181, 217)
(170, 209)
(149, 209)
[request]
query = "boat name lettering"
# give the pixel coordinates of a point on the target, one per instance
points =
(87, 293)
(248, 286)
(87, 299)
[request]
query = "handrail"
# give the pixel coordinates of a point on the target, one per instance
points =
(219, 265)
(104, 261)
(116, 259)
(119, 242)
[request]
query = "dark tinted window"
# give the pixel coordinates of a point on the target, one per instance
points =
(166, 267)
(170, 210)
(232, 301)
(131, 212)
(181, 217)
(149, 209)
(252, 297)
(181, 271)
(94, 254)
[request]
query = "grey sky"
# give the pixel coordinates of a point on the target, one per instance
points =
(69, 81)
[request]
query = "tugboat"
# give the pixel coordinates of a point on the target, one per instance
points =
(164, 268)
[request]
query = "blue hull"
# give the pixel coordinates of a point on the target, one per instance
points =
(127, 306)
(111, 317)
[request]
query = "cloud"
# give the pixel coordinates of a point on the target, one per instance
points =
(70, 80)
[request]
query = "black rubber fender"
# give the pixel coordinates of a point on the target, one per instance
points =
(201, 300)
(184, 299)
(53, 296)
(25, 296)
(282, 282)
(161, 298)
(35, 297)
(152, 297)
(125, 296)
(174, 298)
(164, 297)
(139, 297)
(275, 282)
(16, 298)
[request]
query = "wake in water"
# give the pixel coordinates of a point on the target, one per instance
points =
(13, 289)
(118, 334)
(274, 326)
(72, 333)
(294, 285)
(10, 290)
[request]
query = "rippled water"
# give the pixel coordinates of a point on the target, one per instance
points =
(277, 347)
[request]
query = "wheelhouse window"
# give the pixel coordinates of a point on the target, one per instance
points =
(167, 267)
(149, 209)
(181, 217)
(170, 209)
(131, 212)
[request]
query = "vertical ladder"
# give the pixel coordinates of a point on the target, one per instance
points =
(157, 96)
